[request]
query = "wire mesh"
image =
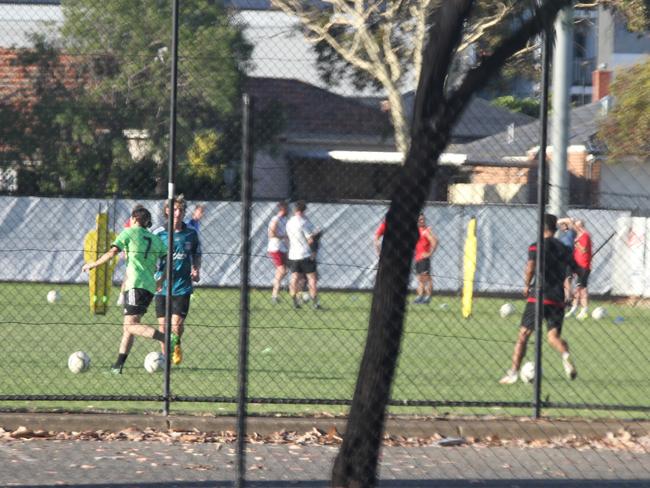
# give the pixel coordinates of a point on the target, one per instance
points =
(84, 93)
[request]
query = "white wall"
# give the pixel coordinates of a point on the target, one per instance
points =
(41, 240)
(625, 186)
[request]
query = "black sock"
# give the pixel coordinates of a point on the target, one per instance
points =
(121, 359)
(159, 336)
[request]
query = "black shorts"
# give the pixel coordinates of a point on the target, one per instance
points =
(423, 266)
(553, 315)
(306, 266)
(136, 301)
(582, 276)
(569, 271)
(180, 305)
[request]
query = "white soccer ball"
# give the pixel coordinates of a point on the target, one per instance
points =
(599, 313)
(154, 361)
(527, 372)
(506, 310)
(53, 296)
(78, 362)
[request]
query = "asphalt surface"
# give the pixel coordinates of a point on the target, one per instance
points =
(157, 464)
(127, 463)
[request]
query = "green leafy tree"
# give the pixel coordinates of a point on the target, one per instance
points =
(49, 132)
(528, 106)
(625, 129)
(124, 48)
(635, 12)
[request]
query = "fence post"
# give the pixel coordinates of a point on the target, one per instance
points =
(170, 198)
(246, 202)
(541, 184)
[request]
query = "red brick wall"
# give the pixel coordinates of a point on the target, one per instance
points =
(491, 175)
(600, 80)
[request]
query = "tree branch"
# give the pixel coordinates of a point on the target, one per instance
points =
(483, 26)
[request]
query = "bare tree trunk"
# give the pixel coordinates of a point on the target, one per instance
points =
(434, 115)
(398, 117)
(355, 465)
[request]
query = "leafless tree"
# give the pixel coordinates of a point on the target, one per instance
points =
(437, 107)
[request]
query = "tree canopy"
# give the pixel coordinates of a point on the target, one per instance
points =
(625, 129)
(379, 42)
(98, 114)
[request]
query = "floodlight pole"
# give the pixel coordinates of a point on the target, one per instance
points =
(170, 205)
(541, 200)
(562, 80)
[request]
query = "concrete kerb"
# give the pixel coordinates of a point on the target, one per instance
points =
(479, 428)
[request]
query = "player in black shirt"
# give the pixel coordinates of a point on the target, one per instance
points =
(557, 258)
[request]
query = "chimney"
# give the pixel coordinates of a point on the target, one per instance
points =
(601, 78)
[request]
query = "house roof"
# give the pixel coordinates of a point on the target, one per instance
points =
(280, 48)
(515, 142)
(311, 111)
(480, 119)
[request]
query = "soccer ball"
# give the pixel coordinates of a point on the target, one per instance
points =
(53, 296)
(527, 372)
(78, 362)
(506, 310)
(599, 313)
(154, 361)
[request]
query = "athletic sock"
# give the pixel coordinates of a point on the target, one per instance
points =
(565, 355)
(121, 359)
(159, 336)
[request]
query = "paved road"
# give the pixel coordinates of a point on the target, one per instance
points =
(153, 464)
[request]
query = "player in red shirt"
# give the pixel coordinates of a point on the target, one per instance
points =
(424, 248)
(582, 256)
(379, 234)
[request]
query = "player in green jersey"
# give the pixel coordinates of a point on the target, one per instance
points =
(144, 250)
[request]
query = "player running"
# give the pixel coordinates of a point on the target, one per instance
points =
(144, 249)
(557, 258)
(186, 269)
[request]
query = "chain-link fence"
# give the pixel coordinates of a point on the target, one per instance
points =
(350, 294)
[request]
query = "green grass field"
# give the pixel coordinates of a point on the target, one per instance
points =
(309, 354)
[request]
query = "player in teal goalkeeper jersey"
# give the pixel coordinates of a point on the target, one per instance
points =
(144, 250)
(186, 270)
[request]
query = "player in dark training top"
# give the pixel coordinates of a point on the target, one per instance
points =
(186, 269)
(557, 258)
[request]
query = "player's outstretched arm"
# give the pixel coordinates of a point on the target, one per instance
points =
(106, 257)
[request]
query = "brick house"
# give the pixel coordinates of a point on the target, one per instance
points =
(333, 147)
(503, 167)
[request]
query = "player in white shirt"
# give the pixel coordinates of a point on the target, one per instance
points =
(302, 259)
(277, 248)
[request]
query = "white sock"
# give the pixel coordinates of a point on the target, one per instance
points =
(565, 355)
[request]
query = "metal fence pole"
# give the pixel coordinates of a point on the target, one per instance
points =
(246, 193)
(170, 199)
(541, 194)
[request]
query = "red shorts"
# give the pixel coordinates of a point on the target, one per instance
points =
(279, 258)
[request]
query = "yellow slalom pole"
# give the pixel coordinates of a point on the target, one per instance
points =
(96, 243)
(469, 268)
